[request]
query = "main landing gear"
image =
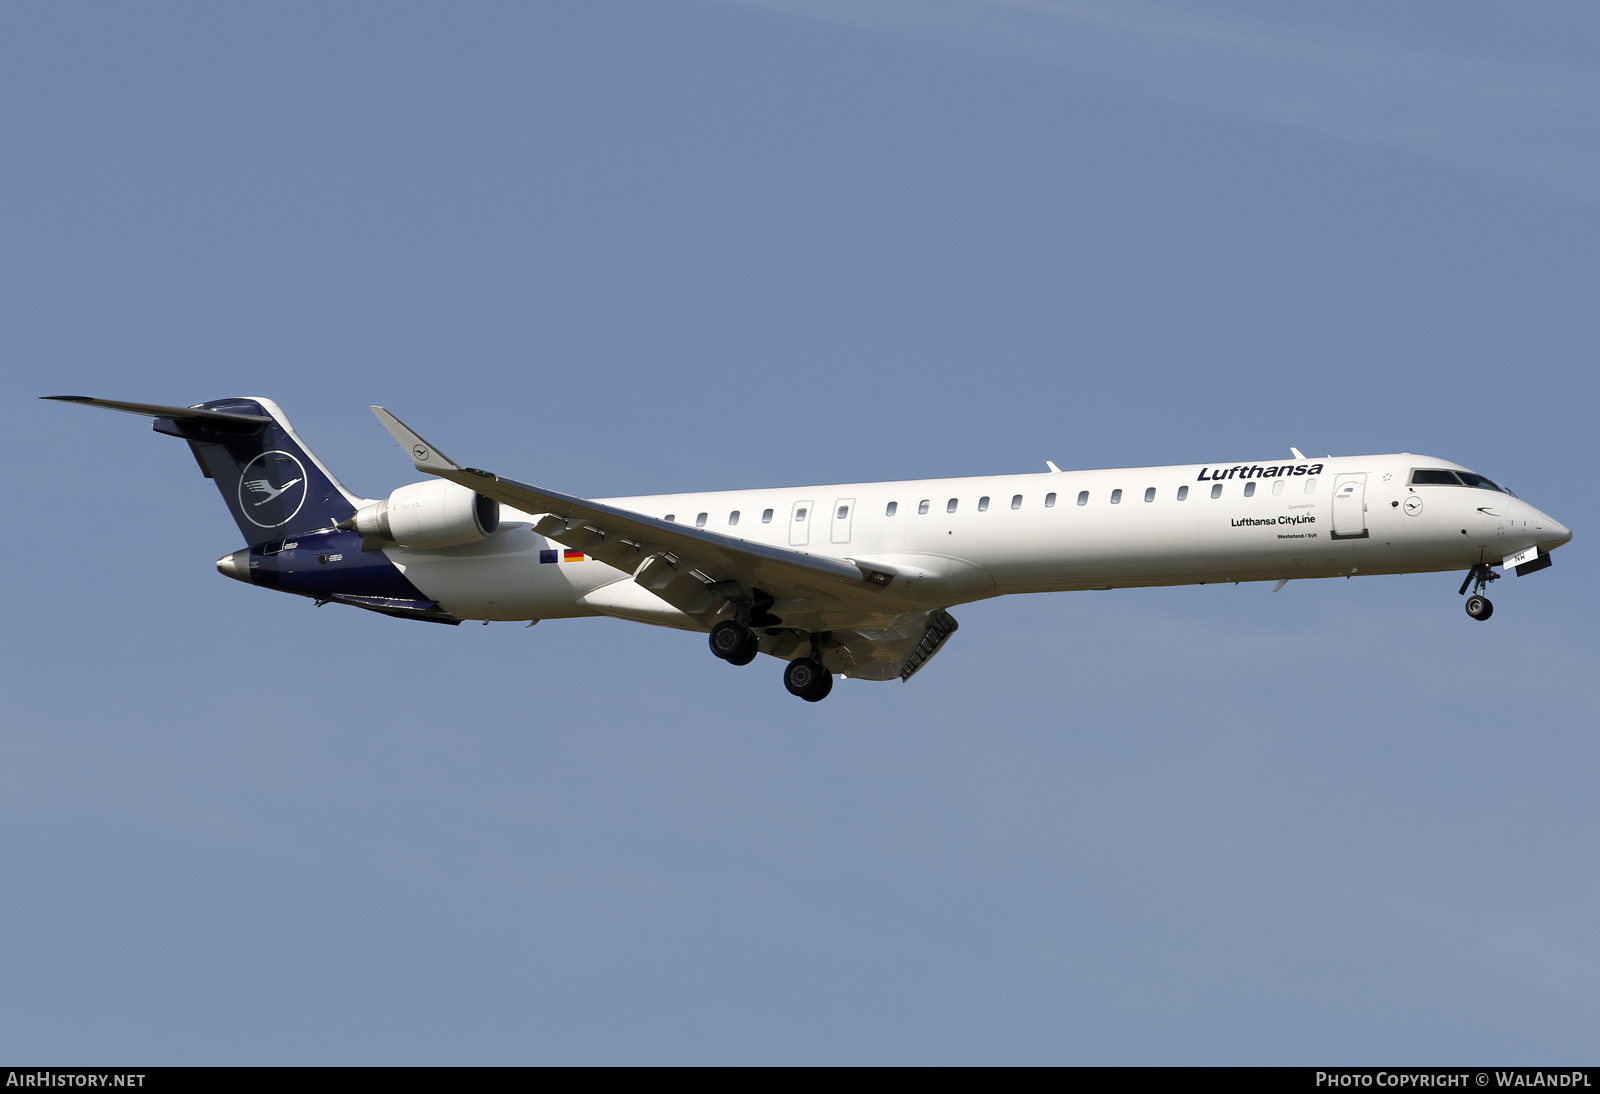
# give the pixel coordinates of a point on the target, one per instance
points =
(1478, 605)
(806, 677)
(734, 642)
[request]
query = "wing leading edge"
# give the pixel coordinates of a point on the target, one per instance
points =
(692, 569)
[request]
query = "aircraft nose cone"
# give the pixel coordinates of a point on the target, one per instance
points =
(1551, 533)
(236, 565)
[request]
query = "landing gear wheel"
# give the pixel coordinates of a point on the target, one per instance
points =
(1478, 579)
(807, 679)
(747, 652)
(733, 642)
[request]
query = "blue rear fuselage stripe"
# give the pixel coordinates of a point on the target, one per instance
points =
(323, 563)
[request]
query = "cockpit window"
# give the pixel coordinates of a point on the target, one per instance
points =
(1434, 478)
(1441, 477)
(1479, 481)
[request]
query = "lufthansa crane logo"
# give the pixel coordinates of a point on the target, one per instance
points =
(272, 488)
(419, 452)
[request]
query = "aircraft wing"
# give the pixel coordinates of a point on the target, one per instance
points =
(682, 565)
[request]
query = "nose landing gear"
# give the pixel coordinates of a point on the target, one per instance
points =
(1478, 605)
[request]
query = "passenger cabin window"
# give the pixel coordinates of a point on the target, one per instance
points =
(733, 517)
(1116, 497)
(670, 518)
(1150, 494)
(1049, 501)
(700, 521)
(922, 508)
(950, 506)
(844, 511)
(1216, 490)
(766, 516)
(1311, 485)
(1250, 489)
(1183, 493)
(983, 504)
(1016, 501)
(1083, 497)
(799, 515)
(892, 509)
(1277, 487)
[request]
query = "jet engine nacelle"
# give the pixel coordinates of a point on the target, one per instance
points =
(436, 513)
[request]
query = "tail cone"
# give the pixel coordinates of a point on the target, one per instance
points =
(236, 565)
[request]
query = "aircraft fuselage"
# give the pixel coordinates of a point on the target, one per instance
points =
(963, 539)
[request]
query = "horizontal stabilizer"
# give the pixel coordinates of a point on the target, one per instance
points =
(273, 485)
(155, 410)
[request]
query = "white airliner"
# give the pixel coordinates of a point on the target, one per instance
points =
(851, 579)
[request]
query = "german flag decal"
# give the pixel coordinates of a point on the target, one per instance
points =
(572, 556)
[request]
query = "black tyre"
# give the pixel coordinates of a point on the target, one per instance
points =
(1479, 607)
(747, 652)
(807, 679)
(728, 640)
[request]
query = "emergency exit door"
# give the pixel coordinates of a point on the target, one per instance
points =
(843, 511)
(800, 524)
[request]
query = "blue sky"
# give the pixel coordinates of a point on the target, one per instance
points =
(619, 248)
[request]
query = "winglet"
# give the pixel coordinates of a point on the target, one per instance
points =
(426, 457)
(1051, 465)
(1298, 454)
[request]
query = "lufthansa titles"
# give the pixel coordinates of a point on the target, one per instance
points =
(1258, 522)
(1257, 471)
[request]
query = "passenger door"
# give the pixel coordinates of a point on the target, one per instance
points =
(1350, 507)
